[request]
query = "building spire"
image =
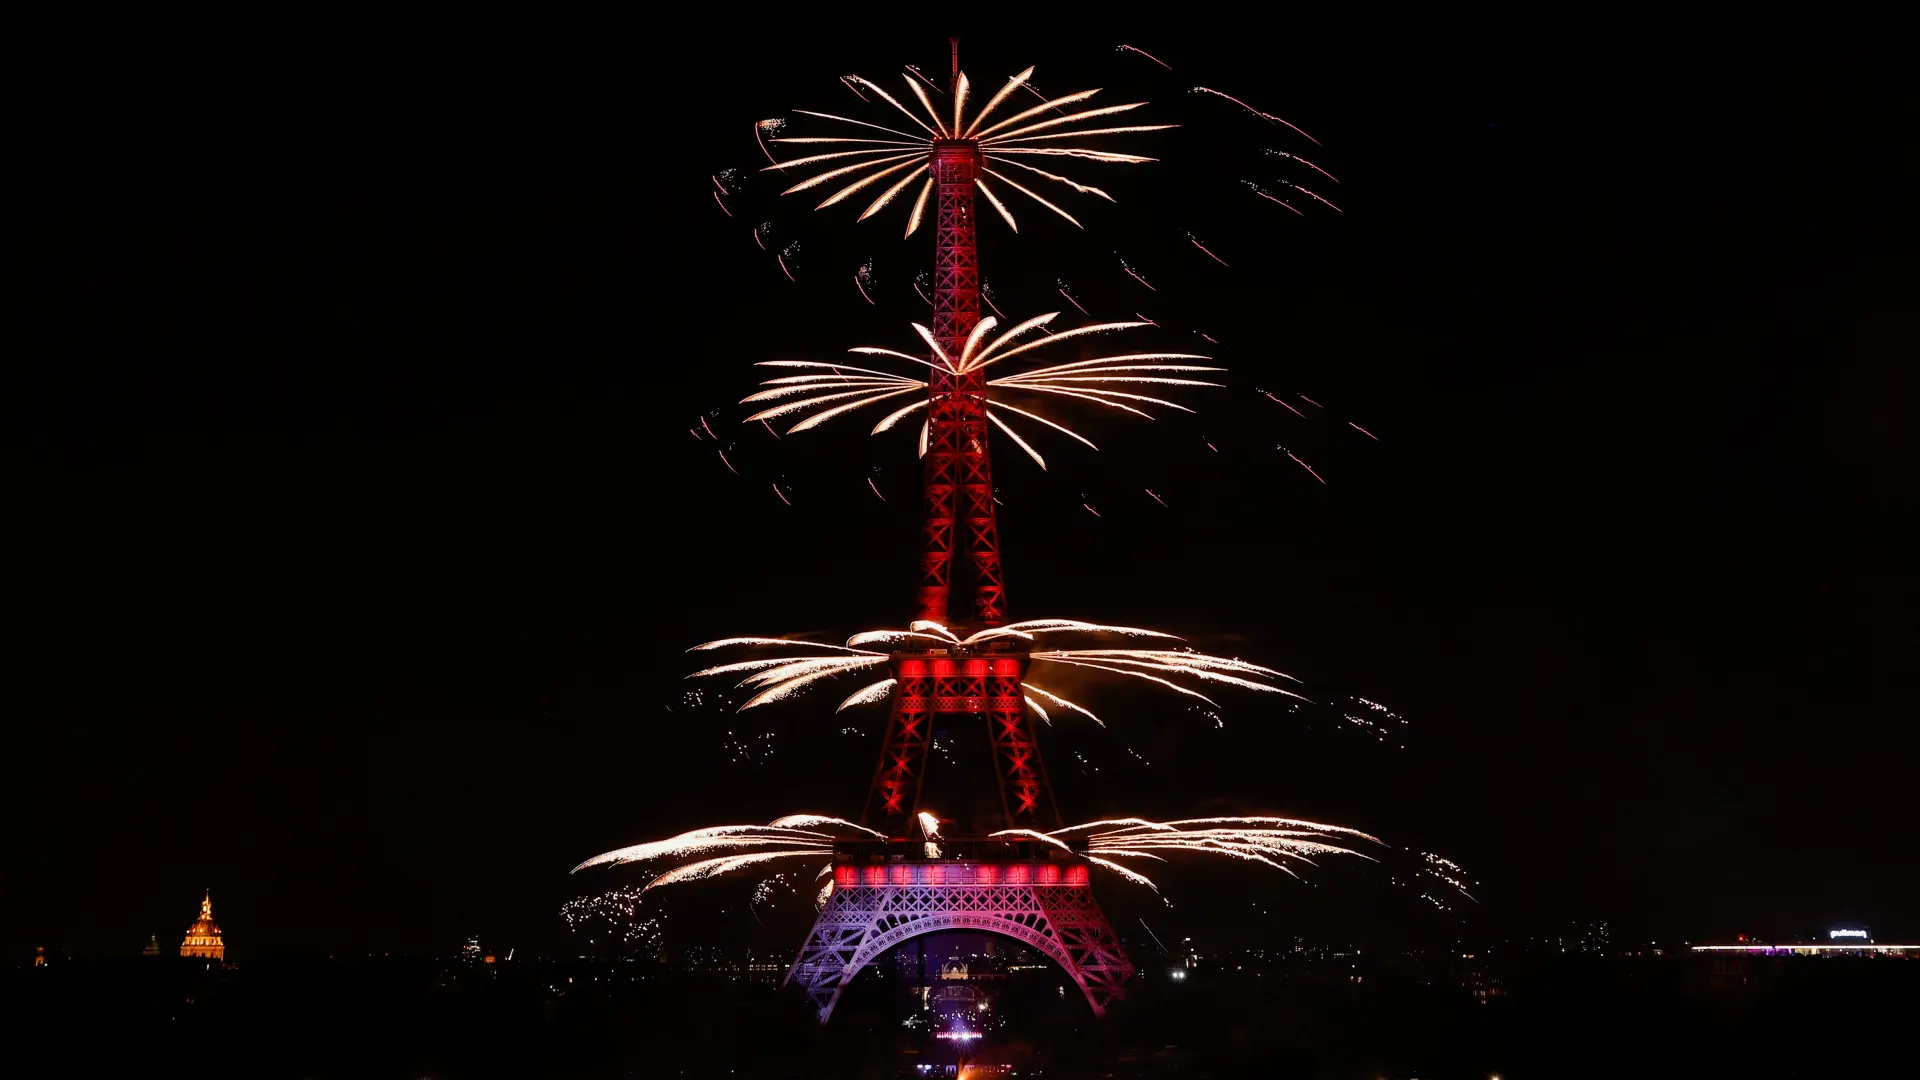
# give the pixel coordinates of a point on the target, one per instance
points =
(953, 86)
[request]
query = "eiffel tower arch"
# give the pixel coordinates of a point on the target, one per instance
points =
(1045, 904)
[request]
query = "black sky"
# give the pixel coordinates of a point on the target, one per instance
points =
(358, 535)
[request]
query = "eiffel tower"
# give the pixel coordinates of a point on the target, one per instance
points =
(890, 891)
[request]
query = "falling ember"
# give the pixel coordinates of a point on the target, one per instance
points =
(874, 486)
(708, 430)
(1144, 319)
(783, 497)
(765, 128)
(1069, 296)
(1134, 274)
(1195, 241)
(1156, 498)
(923, 78)
(1211, 447)
(769, 428)
(1148, 55)
(1304, 191)
(862, 288)
(1263, 193)
(1304, 161)
(1210, 337)
(1311, 402)
(1091, 510)
(847, 81)
(728, 464)
(1285, 405)
(1264, 116)
(1363, 431)
(695, 434)
(1304, 465)
(986, 293)
(723, 205)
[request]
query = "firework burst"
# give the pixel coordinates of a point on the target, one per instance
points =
(1284, 844)
(902, 152)
(809, 663)
(827, 391)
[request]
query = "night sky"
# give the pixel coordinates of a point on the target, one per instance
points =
(357, 533)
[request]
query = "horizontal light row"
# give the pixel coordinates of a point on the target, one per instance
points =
(958, 873)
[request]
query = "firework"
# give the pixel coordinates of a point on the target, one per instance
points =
(1283, 403)
(1195, 241)
(1134, 274)
(862, 278)
(1284, 844)
(1311, 195)
(719, 849)
(615, 913)
(762, 130)
(986, 294)
(1270, 197)
(1376, 719)
(1148, 55)
(1302, 464)
(826, 391)
(1304, 161)
(806, 664)
(904, 155)
(1068, 293)
(1269, 117)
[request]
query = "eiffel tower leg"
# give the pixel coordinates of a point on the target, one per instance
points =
(895, 795)
(861, 922)
(1024, 792)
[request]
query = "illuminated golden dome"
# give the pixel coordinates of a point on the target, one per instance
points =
(203, 937)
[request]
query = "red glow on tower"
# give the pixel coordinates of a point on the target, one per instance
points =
(960, 546)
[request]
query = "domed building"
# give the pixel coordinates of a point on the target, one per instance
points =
(203, 937)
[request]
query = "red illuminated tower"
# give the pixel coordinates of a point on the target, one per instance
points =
(960, 546)
(889, 891)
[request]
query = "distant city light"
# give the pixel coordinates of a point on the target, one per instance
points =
(1890, 950)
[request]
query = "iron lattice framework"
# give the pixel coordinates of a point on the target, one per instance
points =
(959, 476)
(1046, 905)
(961, 537)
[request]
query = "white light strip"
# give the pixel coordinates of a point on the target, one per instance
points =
(1806, 948)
